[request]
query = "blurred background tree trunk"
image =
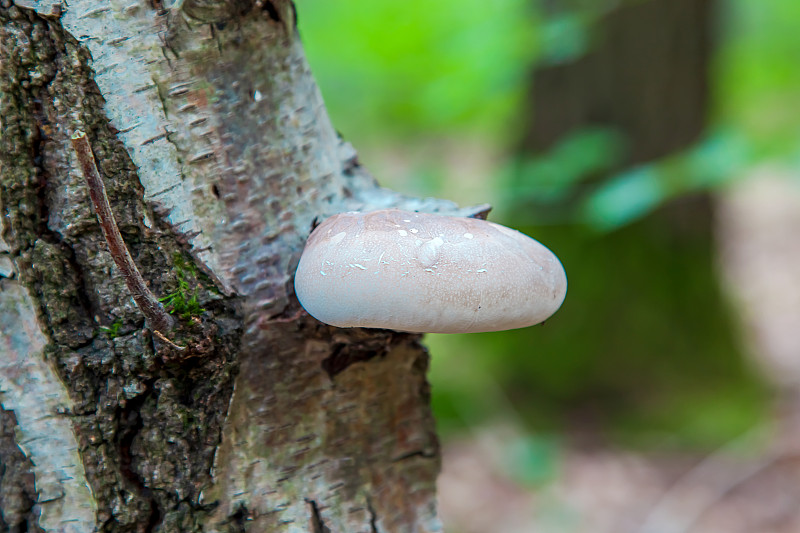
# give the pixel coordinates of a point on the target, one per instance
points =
(218, 156)
(643, 77)
(645, 74)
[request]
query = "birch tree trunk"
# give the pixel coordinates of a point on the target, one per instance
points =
(218, 157)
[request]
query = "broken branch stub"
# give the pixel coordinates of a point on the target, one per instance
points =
(148, 304)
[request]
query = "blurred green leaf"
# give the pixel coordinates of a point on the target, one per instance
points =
(417, 67)
(625, 198)
(552, 176)
(565, 37)
(719, 158)
(532, 460)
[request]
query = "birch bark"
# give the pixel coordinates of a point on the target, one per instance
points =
(218, 157)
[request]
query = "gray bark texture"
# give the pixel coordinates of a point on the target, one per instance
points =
(218, 157)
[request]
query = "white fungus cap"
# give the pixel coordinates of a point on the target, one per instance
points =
(426, 273)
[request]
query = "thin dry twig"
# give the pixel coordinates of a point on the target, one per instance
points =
(148, 304)
(166, 340)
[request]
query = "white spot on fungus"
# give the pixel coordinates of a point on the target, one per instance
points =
(336, 239)
(402, 232)
(468, 235)
(429, 252)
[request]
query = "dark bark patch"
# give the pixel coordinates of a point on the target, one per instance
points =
(271, 11)
(17, 490)
(158, 6)
(424, 454)
(237, 521)
(344, 355)
(217, 13)
(363, 345)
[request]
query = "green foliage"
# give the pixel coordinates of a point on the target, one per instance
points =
(544, 187)
(551, 177)
(565, 37)
(755, 87)
(419, 68)
(757, 77)
(182, 302)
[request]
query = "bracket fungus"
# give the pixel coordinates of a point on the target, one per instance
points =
(426, 273)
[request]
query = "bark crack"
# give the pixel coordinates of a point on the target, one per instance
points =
(316, 518)
(130, 425)
(373, 517)
(424, 454)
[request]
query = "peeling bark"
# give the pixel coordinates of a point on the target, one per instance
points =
(218, 155)
(45, 438)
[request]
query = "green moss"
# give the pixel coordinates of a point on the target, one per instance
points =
(183, 301)
(112, 332)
